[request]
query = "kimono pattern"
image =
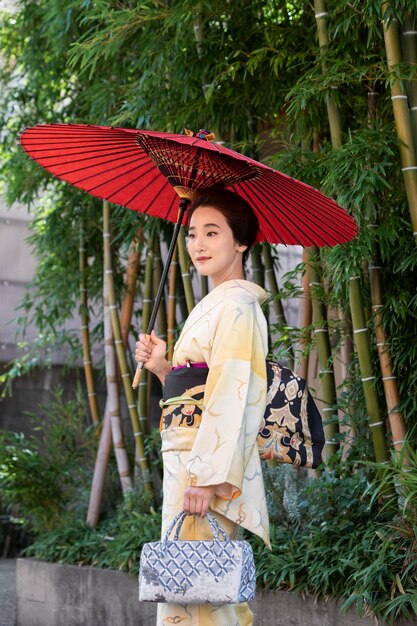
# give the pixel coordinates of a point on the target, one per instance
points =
(227, 330)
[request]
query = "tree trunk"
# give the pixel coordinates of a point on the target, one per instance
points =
(100, 470)
(272, 283)
(401, 113)
(113, 405)
(126, 375)
(131, 279)
(392, 396)
(305, 319)
(157, 273)
(409, 45)
(363, 348)
(85, 335)
(322, 340)
(172, 304)
(185, 271)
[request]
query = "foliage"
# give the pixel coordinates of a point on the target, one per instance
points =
(254, 75)
(116, 543)
(328, 539)
(44, 474)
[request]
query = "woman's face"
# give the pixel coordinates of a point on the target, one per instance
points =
(212, 247)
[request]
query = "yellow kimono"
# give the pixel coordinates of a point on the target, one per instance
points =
(227, 330)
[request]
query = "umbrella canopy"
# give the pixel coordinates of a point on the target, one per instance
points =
(146, 171)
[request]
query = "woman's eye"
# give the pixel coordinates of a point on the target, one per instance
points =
(190, 236)
(211, 233)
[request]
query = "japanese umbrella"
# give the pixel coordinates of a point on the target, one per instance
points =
(148, 171)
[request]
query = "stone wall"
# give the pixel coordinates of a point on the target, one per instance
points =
(50, 594)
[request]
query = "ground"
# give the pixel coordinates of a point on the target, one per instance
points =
(7, 592)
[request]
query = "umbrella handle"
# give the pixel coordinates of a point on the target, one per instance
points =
(138, 374)
(139, 369)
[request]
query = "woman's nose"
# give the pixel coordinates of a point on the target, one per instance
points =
(199, 243)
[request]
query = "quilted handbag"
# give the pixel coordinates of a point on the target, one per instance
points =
(218, 571)
(291, 430)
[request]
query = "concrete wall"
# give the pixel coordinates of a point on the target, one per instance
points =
(50, 594)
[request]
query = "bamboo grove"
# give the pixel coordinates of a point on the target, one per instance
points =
(326, 93)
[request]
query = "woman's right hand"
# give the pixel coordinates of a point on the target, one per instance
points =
(151, 352)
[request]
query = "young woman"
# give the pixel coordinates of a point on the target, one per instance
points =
(214, 462)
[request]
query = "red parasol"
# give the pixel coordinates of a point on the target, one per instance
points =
(146, 171)
(118, 164)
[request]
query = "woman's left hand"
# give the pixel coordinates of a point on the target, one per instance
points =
(197, 500)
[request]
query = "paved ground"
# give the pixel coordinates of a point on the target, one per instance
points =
(7, 592)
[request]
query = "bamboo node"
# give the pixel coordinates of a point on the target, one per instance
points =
(319, 15)
(106, 235)
(389, 378)
(409, 167)
(374, 424)
(399, 97)
(360, 330)
(138, 434)
(367, 379)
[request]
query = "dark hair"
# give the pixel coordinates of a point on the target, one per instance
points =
(238, 214)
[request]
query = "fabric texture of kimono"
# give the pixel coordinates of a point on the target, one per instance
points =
(227, 330)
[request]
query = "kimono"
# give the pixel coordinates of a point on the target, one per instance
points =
(227, 331)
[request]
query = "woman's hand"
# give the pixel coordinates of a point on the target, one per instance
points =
(151, 352)
(197, 500)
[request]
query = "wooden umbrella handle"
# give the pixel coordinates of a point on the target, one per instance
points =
(139, 368)
(138, 374)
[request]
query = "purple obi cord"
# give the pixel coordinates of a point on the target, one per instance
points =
(188, 364)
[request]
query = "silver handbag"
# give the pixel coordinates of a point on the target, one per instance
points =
(197, 572)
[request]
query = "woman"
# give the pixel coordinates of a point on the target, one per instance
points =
(215, 464)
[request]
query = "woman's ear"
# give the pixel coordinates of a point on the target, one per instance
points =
(241, 248)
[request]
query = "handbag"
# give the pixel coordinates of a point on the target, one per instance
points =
(291, 430)
(218, 571)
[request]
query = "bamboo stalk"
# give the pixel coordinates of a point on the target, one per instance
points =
(131, 279)
(363, 348)
(113, 405)
(85, 335)
(257, 267)
(322, 339)
(172, 305)
(157, 273)
(146, 315)
(100, 470)
(181, 302)
(274, 289)
(185, 271)
(305, 319)
(392, 396)
(409, 45)
(333, 111)
(140, 455)
(204, 286)
(401, 112)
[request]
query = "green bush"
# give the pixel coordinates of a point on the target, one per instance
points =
(116, 543)
(44, 474)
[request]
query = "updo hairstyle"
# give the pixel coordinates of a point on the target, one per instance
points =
(237, 212)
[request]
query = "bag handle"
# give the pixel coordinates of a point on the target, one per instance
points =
(216, 528)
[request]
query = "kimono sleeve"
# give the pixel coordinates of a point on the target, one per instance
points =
(234, 401)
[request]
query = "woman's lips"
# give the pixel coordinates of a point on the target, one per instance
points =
(203, 258)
